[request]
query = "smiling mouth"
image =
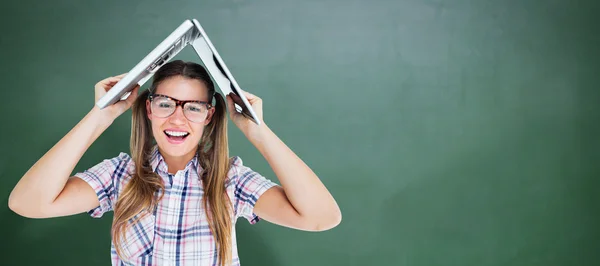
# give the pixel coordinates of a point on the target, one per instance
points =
(176, 135)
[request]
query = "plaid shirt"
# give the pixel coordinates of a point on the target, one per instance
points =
(177, 233)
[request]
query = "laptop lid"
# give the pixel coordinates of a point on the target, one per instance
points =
(221, 74)
(190, 32)
(145, 69)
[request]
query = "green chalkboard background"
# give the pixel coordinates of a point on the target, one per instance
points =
(459, 132)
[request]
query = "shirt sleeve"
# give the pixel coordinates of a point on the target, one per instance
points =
(248, 187)
(103, 178)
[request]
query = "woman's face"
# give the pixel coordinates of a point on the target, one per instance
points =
(175, 134)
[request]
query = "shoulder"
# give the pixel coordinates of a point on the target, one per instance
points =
(235, 163)
(117, 167)
(121, 157)
(121, 162)
(236, 167)
(124, 165)
(107, 178)
(241, 175)
(238, 171)
(245, 187)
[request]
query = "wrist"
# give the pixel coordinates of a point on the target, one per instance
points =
(99, 117)
(259, 135)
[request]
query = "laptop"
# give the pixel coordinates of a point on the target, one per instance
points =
(190, 32)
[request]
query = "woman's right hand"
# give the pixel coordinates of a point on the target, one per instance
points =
(47, 189)
(115, 110)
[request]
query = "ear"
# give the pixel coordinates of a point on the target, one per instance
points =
(209, 116)
(148, 109)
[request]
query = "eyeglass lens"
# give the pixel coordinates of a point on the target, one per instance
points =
(164, 107)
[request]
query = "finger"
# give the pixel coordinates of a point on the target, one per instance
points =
(110, 79)
(249, 95)
(114, 79)
(118, 77)
(108, 83)
(252, 99)
(230, 106)
(131, 98)
(237, 99)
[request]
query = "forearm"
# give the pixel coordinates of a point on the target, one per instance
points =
(302, 186)
(43, 182)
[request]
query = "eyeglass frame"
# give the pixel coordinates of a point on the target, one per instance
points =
(181, 103)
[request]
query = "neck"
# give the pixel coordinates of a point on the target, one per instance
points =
(177, 163)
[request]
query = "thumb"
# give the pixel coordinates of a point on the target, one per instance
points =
(123, 105)
(131, 98)
(230, 106)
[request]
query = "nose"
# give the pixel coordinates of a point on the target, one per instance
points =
(178, 117)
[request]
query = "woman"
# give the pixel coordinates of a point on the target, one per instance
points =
(176, 198)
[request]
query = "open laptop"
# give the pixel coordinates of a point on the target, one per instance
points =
(190, 32)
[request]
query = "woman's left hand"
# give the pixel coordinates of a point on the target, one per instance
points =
(247, 126)
(288, 204)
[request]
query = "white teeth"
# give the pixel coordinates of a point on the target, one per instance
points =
(176, 133)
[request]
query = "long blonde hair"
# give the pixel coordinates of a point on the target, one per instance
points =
(213, 155)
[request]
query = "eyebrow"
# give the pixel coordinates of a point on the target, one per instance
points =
(173, 98)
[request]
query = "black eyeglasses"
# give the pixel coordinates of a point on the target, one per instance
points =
(164, 106)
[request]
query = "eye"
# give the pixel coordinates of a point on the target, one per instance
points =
(195, 107)
(164, 104)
